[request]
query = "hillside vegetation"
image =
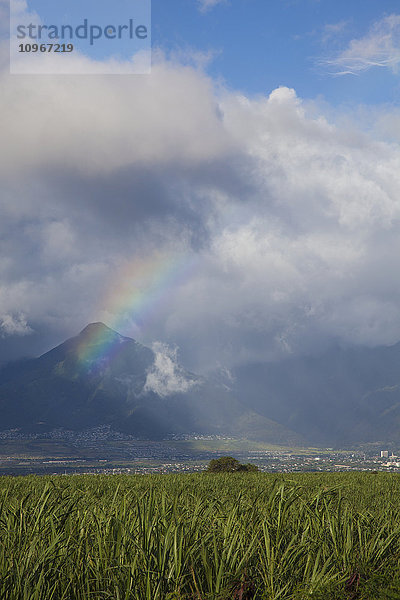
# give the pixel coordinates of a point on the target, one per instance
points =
(200, 537)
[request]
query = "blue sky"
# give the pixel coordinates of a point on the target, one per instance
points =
(253, 45)
(262, 44)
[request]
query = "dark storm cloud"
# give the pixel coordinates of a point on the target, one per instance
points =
(126, 200)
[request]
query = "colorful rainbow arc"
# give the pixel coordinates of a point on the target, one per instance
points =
(138, 291)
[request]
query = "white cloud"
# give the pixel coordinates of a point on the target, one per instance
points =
(124, 116)
(48, 63)
(166, 377)
(209, 4)
(379, 48)
(334, 31)
(289, 268)
(285, 222)
(14, 325)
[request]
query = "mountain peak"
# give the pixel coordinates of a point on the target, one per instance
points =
(97, 328)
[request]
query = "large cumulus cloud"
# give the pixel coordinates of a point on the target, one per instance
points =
(279, 227)
(311, 257)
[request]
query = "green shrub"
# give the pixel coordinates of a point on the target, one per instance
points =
(228, 464)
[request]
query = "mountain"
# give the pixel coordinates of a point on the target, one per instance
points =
(100, 377)
(342, 397)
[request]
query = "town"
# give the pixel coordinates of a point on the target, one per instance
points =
(102, 450)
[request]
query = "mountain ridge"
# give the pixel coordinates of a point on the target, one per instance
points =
(100, 377)
(341, 397)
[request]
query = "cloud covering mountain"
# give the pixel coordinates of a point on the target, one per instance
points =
(240, 228)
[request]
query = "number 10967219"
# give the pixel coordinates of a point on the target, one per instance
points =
(45, 48)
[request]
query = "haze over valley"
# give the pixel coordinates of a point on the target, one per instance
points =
(341, 398)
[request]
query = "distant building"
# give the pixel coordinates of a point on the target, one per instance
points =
(384, 453)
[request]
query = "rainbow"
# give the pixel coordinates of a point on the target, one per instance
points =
(135, 294)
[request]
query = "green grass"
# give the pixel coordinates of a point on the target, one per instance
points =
(324, 536)
(234, 445)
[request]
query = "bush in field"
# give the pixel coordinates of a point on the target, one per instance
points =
(228, 464)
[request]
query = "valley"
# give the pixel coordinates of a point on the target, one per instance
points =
(105, 452)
